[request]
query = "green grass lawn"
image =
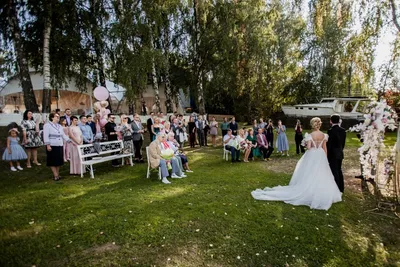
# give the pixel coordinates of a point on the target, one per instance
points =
(207, 219)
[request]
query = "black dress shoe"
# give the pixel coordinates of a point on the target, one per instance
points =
(238, 160)
(359, 177)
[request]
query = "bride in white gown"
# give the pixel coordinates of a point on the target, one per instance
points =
(312, 183)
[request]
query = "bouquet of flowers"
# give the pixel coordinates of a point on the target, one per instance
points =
(167, 154)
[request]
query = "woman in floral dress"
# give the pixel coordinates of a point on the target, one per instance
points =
(31, 137)
(126, 132)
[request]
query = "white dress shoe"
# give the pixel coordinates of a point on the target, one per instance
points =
(175, 176)
(13, 169)
(19, 168)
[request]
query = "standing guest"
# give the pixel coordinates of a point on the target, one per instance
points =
(244, 144)
(206, 129)
(75, 134)
(54, 137)
(137, 137)
(99, 130)
(224, 128)
(162, 118)
(144, 109)
(269, 133)
(255, 126)
(67, 116)
(58, 111)
(262, 124)
(63, 123)
(127, 136)
(31, 137)
(149, 123)
(87, 133)
(14, 151)
(179, 128)
(91, 123)
(112, 135)
(192, 132)
(282, 143)
(298, 137)
(233, 126)
(231, 145)
(156, 128)
(200, 125)
(214, 131)
(253, 140)
(262, 143)
(167, 127)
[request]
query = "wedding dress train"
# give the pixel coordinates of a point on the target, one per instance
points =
(312, 183)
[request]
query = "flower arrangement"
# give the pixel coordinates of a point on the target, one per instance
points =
(379, 117)
(388, 169)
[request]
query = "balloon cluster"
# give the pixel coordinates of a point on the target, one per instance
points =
(101, 94)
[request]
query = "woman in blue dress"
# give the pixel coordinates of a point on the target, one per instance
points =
(282, 143)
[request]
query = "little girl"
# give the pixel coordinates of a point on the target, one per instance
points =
(14, 151)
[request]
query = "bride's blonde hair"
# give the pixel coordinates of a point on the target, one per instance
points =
(316, 123)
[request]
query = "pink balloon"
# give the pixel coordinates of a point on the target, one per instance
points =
(101, 93)
(103, 122)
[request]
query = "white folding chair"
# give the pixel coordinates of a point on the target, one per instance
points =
(149, 166)
(226, 154)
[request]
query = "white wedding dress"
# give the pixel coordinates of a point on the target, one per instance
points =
(312, 183)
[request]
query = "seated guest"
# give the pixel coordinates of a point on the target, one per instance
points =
(230, 144)
(253, 143)
(244, 144)
(174, 145)
(265, 149)
(86, 130)
(156, 160)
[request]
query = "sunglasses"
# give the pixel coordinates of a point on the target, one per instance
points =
(112, 117)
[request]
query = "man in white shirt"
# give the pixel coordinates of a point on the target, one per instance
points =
(230, 144)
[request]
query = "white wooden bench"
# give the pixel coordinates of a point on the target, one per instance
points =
(106, 148)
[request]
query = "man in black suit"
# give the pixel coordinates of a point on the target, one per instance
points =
(335, 146)
(148, 125)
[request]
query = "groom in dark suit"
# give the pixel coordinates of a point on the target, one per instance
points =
(335, 146)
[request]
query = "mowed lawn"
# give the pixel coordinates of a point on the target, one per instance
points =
(208, 219)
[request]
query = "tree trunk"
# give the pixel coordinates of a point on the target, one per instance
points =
(46, 98)
(168, 91)
(154, 73)
(349, 79)
(23, 67)
(197, 71)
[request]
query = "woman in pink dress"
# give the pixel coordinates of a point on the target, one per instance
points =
(75, 135)
(63, 123)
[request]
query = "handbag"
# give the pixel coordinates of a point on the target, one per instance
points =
(127, 138)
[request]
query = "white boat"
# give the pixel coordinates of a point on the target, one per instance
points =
(346, 107)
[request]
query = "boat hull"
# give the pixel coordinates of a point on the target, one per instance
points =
(310, 111)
